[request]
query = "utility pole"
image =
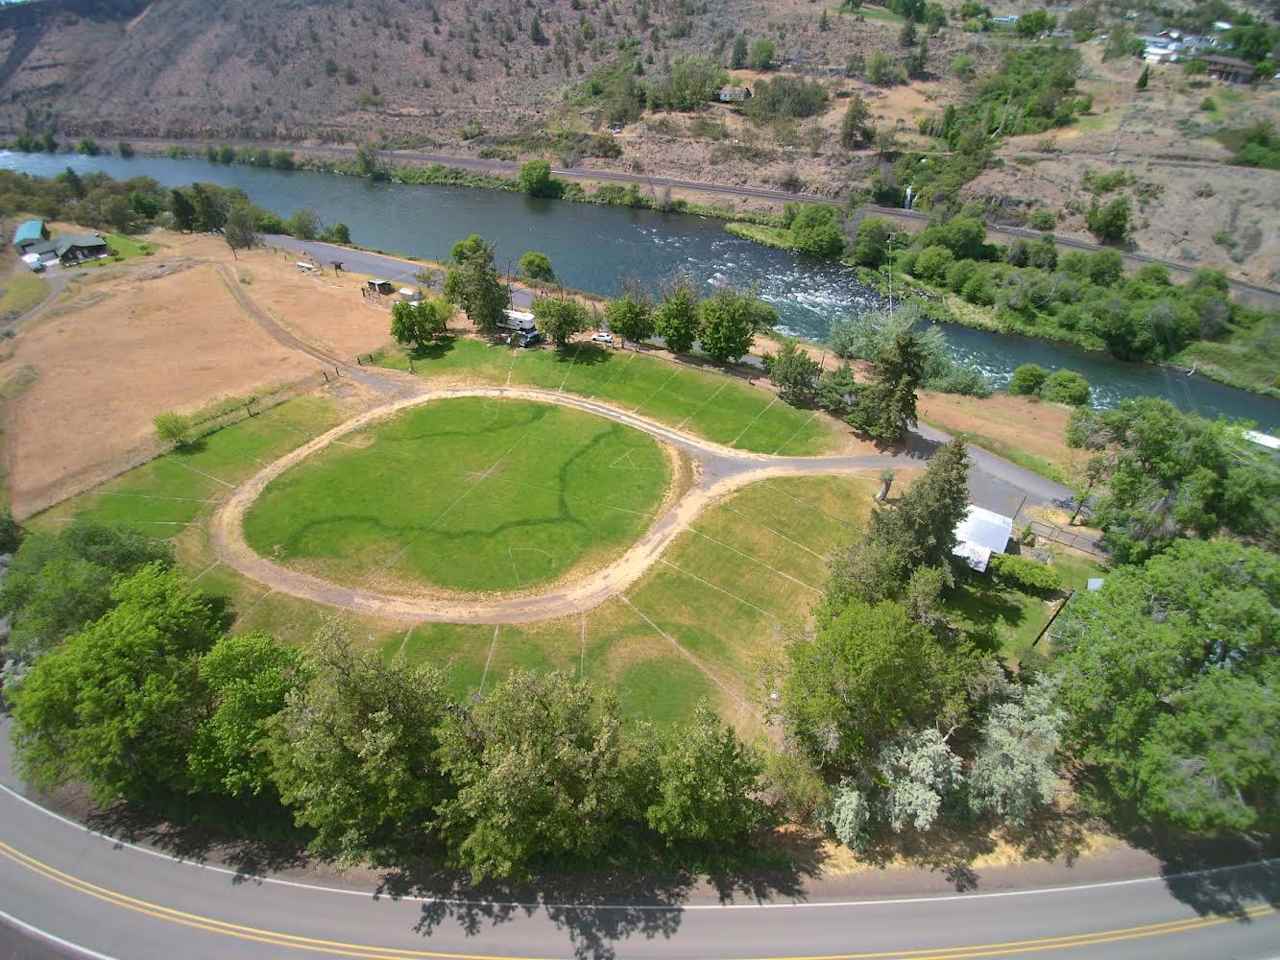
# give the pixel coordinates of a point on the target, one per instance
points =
(889, 248)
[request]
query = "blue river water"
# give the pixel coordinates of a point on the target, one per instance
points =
(599, 248)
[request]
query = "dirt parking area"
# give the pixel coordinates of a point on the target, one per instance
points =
(96, 369)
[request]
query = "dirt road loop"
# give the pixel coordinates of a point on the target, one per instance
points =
(723, 470)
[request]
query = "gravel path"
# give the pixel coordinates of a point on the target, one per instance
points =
(721, 470)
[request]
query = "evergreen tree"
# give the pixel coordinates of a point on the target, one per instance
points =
(1144, 77)
(738, 59)
(907, 36)
(886, 408)
(184, 214)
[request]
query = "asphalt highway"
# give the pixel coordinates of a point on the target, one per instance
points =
(115, 900)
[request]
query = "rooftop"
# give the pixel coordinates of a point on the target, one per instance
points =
(29, 231)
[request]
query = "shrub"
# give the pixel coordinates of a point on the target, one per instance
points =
(1066, 386)
(1109, 222)
(1028, 379)
(173, 428)
(959, 273)
(1208, 104)
(535, 265)
(1024, 574)
(933, 262)
(1042, 220)
(815, 230)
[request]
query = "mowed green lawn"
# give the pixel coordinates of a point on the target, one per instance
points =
(468, 494)
(708, 404)
(699, 625)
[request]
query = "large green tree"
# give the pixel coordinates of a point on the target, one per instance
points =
(727, 325)
(707, 781)
(869, 675)
(1170, 474)
(117, 704)
(559, 318)
(541, 776)
(353, 752)
(417, 324)
(247, 679)
(473, 284)
(1168, 677)
(58, 582)
(676, 319)
(794, 373)
(630, 317)
(885, 408)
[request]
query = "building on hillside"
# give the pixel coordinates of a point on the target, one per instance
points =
(71, 249)
(1229, 69)
(980, 534)
(734, 94)
(30, 234)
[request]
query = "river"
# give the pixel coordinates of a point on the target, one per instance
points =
(598, 248)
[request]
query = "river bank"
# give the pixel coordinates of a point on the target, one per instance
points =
(1223, 361)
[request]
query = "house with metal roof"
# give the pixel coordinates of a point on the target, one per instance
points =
(30, 234)
(980, 534)
(71, 248)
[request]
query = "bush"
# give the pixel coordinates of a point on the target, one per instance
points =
(535, 265)
(1027, 575)
(1110, 222)
(1042, 220)
(815, 230)
(933, 262)
(173, 428)
(1028, 379)
(1066, 386)
(535, 179)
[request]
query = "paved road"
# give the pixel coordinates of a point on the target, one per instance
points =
(127, 902)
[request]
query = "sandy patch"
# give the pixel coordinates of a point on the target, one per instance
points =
(107, 366)
(1033, 427)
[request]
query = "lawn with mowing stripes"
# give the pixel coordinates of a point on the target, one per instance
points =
(470, 494)
(162, 496)
(697, 625)
(705, 403)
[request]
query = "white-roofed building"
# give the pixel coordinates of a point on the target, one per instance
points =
(981, 533)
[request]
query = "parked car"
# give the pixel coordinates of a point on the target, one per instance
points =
(602, 336)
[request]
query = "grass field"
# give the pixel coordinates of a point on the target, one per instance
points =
(22, 291)
(123, 247)
(469, 494)
(1013, 619)
(711, 405)
(699, 625)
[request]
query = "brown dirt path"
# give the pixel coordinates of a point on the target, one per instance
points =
(722, 470)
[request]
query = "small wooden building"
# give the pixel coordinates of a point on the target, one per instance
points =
(734, 94)
(1229, 69)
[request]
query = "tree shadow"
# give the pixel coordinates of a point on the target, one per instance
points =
(209, 832)
(582, 354)
(434, 350)
(638, 897)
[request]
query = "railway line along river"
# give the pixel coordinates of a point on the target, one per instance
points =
(597, 248)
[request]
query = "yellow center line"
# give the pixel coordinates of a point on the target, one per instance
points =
(370, 952)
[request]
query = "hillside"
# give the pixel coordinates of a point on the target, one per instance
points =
(563, 79)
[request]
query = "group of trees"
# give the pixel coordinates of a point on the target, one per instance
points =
(132, 687)
(419, 324)
(1085, 297)
(724, 324)
(909, 725)
(867, 335)
(1061, 386)
(472, 283)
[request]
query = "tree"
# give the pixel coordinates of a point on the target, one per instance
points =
(918, 60)
(854, 130)
(184, 214)
(1066, 386)
(535, 31)
(473, 284)
(1170, 474)
(815, 230)
(824, 22)
(676, 319)
(1144, 77)
(240, 230)
(173, 428)
(1036, 22)
(534, 265)
(338, 233)
(540, 774)
(304, 224)
(762, 53)
(707, 780)
(885, 408)
(559, 319)
(1168, 678)
(417, 324)
(738, 59)
(836, 390)
(850, 815)
(369, 162)
(690, 82)
(795, 374)
(727, 325)
(871, 243)
(248, 679)
(535, 179)
(1015, 768)
(630, 317)
(1109, 222)
(117, 704)
(1027, 379)
(869, 675)
(58, 583)
(353, 752)
(919, 771)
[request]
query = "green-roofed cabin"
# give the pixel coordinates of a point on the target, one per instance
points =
(30, 234)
